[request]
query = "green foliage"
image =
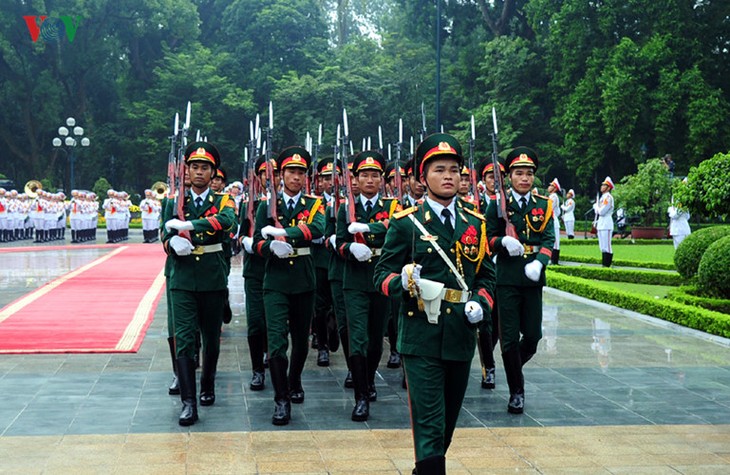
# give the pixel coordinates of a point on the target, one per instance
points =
(693, 317)
(690, 295)
(707, 191)
(565, 244)
(101, 186)
(620, 275)
(688, 255)
(713, 274)
(647, 193)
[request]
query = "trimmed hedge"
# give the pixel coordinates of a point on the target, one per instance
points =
(713, 274)
(619, 262)
(690, 295)
(689, 254)
(614, 242)
(701, 319)
(621, 275)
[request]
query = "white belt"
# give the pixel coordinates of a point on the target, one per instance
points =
(199, 250)
(300, 251)
(376, 251)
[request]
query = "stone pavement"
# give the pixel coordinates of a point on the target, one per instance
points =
(608, 392)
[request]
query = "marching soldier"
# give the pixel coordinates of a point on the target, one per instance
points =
(521, 262)
(219, 180)
(198, 279)
(436, 258)
(568, 208)
(415, 188)
(289, 280)
(553, 189)
(253, 277)
(604, 221)
(360, 244)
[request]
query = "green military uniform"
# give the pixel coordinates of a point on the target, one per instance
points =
(198, 281)
(174, 388)
(367, 309)
(437, 356)
(289, 283)
(518, 296)
(394, 358)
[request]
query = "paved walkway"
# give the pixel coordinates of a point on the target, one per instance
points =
(608, 392)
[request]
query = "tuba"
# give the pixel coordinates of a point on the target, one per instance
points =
(160, 190)
(31, 188)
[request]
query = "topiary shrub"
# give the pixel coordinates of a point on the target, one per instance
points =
(713, 274)
(689, 253)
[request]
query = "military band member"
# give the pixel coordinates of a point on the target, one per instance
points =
(553, 190)
(604, 221)
(436, 258)
(360, 244)
(289, 280)
(521, 266)
(253, 277)
(199, 278)
(568, 208)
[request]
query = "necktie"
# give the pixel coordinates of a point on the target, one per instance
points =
(199, 202)
(523, 202)
(369, 207)
(446, 214)
(291, 205)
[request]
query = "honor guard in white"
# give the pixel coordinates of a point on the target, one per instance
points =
(604, 221)
(678, 224)
(75, 215)
(4, 235)
(150, 209)
(554, 189)
(568, 208)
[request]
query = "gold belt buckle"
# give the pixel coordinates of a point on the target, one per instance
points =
(294, 253)
(198, 251)
(452, 295)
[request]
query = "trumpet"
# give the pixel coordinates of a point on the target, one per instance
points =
(160, 189)
(31, 188)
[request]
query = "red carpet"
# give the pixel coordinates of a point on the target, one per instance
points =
(102, 307)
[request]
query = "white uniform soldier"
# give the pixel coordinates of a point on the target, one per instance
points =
(14, 222)
(678, 224)
(126, 215)
(604, 221)
(3, 215)
(110, 211)
(36, 215)
(568, 208)
(553, 189)
(25, 205)
(75, 216)
(150, 209)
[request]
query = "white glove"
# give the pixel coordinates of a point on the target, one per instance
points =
(672, 212)
(272, 231)
(333, 240)
(355, 228)
(318, 240)
(181, 246)
(281, 249)
(416, 275)
(247, 243)
(513, 246)
(473, 312)
(360, 251)
(595, 206)
(533, 269)
(179, 225)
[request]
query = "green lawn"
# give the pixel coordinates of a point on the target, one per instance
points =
(663, 253)
(657, 291)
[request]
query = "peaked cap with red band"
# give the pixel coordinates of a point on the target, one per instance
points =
(294, 157)
(324, 166)
(487, 166)
(437, 146)
(522, 157)
(203, 152)
(556, 184)
(220, 173)
(608, 182)
(261, 164)
(368, 160)
(390, 170)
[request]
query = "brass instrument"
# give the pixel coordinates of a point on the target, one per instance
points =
(160, 189)
(31, 188)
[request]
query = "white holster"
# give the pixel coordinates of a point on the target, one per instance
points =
(432, 293)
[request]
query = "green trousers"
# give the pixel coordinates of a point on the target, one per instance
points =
(255, 314)
(168, 295)
(520, 313)
(436, 390)
(288, 314)
(193, 311)
(367, 315)
(338, 303)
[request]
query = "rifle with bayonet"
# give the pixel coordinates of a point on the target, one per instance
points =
(423, 123)
(398, 193)
(472, 171)
(349, 195)
(180, 174)
(271, 201)
(501, 197)
(171, 158)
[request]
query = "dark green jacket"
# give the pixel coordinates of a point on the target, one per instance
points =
(212, 223)
(253, 264)
(453, 338)
(305, 223)
(534, 226)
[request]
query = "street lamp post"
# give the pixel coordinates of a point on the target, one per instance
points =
(70, 136)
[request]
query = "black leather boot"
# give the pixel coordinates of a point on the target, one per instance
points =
(256, 350)
(515, 381)
(435, 465)
(296, 366)
(333, 336)
(361, 412)
(486, 353)
(282, 404)
(227, 312)
(555, 258)
(207, 379)
(345, 341)
(372, 365)
(609, 259)
(186, 376)
(174, 388)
